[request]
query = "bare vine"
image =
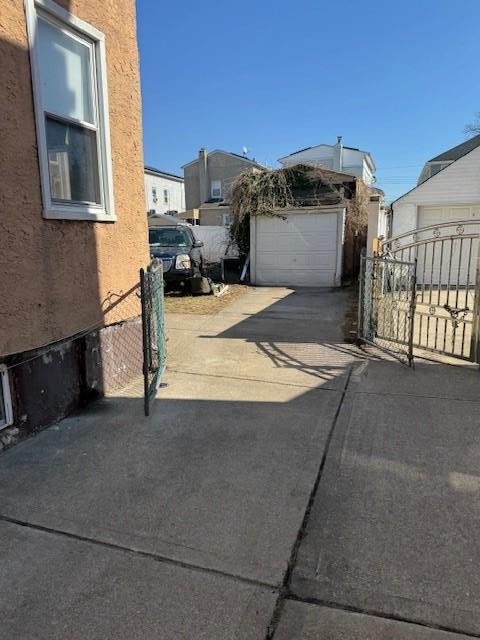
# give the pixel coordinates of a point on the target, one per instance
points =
(267, 192)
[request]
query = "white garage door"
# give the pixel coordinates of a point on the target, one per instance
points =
(435, 215)
(300, 250)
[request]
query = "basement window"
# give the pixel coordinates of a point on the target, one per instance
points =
(69, 86)
(6, 413)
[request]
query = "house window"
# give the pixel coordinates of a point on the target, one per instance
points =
(6, 414)
(216, 191)
(71, 111)
(154, 195)
(165, 196)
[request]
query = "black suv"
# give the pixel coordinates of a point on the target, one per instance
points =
(180, 252)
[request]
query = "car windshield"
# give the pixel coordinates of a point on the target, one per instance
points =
(168, 238)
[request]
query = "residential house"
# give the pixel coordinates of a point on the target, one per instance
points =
(441, 161)
(208, 180)
(164, 192)
(74, 230)
(335, 157)
(448, 189)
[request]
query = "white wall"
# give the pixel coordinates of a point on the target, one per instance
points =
(353, 162)
(459, 183)
(175, 189)
(216, 242)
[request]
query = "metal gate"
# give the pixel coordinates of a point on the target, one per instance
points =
(387, 304)
(151, 284)
(446, 314)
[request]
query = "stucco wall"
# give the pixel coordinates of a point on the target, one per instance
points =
(60, 277)
(221, 166)
(192, 186)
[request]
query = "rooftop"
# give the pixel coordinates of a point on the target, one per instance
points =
(166, 174)
(459, 151)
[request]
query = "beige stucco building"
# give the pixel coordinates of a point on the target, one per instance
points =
(72, 207)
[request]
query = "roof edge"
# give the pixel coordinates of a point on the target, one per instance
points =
(227, 153)
(166, 174)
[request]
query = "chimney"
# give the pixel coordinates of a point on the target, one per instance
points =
(338, 155)
(203, 175)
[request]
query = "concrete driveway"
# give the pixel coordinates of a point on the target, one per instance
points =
(285, 486)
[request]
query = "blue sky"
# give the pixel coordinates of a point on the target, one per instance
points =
(398, 79)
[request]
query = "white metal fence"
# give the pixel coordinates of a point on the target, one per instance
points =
(216, 242)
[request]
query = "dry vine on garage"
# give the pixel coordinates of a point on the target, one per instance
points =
(267, 192)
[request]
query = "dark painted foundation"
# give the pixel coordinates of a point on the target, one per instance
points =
(49, 385)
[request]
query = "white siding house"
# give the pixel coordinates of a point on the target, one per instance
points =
(335, 157)
(451, 194)
(164, 192)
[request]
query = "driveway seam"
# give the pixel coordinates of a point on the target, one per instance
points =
(224, 377)
(136, 552)
(378, 614)
(285, 589)
(413, 395)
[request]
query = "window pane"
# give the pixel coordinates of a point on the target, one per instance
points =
(64, 73)
(72, 162)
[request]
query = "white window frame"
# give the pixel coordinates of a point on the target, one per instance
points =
(72, 25)
(216, 184)
(7, 398)
(166, 197)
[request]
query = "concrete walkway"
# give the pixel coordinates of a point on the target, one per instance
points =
(286, 486)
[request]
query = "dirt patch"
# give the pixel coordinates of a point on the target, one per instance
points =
(350, 323)
(203, 305)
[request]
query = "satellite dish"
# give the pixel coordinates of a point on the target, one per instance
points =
(245, 150)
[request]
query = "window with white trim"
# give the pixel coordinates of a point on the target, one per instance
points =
(165, 196)
(71, 111)
(6, 413)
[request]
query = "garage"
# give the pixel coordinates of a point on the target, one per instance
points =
(436, 215)
(298, 247)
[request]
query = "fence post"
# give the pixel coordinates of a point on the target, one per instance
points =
(474, 341)
(143, 293)
(413, 300)
(360, 299)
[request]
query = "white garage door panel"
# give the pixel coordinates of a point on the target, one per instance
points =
(300, 250)
(315, 260)
(283, 241)
(306, 278)
(436, 215)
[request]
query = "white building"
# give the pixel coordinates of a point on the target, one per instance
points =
(448, 190)
(164, 192)
(336, 157)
